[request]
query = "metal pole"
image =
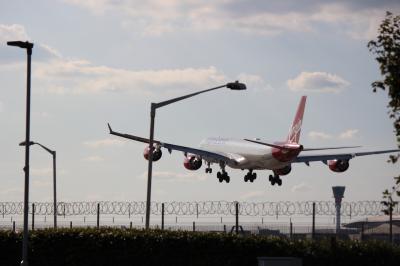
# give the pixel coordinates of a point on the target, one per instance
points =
(33, 216)
(162, 216)
(391, 223)
(194, 227)
(70, 225)
(291, 230)
(54, 190)
(150, 167)
(237, 217)
(26, 168)
(313, 220)
(98, 215)
(13, 226)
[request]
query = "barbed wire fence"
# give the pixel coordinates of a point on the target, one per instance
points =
(201, 208)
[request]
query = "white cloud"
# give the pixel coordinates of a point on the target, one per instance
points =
(317, 82)
(14, 32)
(156, 17)
(254, 82)
(45, 172)
(348, 134)
(253, 195)
(175, 177)
(42, 183)
(93, 159)
(80, 76)
(104, 143)
(319, 135)
(302, 187)
(40, 172)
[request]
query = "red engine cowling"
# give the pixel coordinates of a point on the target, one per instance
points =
(157, 153)
(283, 171)
(338, 165)
(192, 162)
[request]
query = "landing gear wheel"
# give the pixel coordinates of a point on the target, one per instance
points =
(208, 170)
(253, 177)
(220, 177)
(227, 179)
(246, 178)
(279, 182)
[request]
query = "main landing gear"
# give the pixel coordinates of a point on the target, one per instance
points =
(275, 179)
(250, 176)
(223, 175)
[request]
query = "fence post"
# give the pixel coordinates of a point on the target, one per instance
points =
(162, 216)
(176, 219)
(291, 229)
(194, 227)
(237, 217)
(13, 226)
(70, 225)
(362, 232)
(64, 210)
(224, 228)
(33, 216)
(130, 225)
(391, 223)
(197, 210)
(313, 220)
(221, 220)
(98, 215)
(129, 210)
(4, 210)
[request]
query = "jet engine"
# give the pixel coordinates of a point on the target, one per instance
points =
(283, 171)
(192, 162)
(157, 153)
(338, 165)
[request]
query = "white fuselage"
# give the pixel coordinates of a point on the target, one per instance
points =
(248, 155)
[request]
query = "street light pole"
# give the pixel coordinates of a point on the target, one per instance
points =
(53, 153)
(28, 46)
(232, 85)
(54, 191)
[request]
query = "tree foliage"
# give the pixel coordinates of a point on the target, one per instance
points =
(387, 50)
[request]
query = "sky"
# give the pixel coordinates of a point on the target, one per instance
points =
(100, 61)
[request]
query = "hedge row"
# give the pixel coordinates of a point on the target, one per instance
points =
(139, 247)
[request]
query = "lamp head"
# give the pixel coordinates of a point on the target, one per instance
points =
(236, 86)
(24, 143)
(20, 44)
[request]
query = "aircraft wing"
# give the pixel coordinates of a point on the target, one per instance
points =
(342, 156)
(202, 153)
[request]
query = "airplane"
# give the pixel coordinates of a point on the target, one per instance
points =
(254, 154)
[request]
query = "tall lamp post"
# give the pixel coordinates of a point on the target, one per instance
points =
(232, 85)
(28, 46)
(53, 153)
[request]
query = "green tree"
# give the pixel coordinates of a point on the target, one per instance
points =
(386, 48)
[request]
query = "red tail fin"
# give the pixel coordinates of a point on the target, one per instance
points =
(295, 129)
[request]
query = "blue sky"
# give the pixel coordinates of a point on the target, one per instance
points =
(105, 61)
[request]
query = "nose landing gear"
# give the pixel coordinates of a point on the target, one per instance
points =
(275, 179)
(208, 169)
